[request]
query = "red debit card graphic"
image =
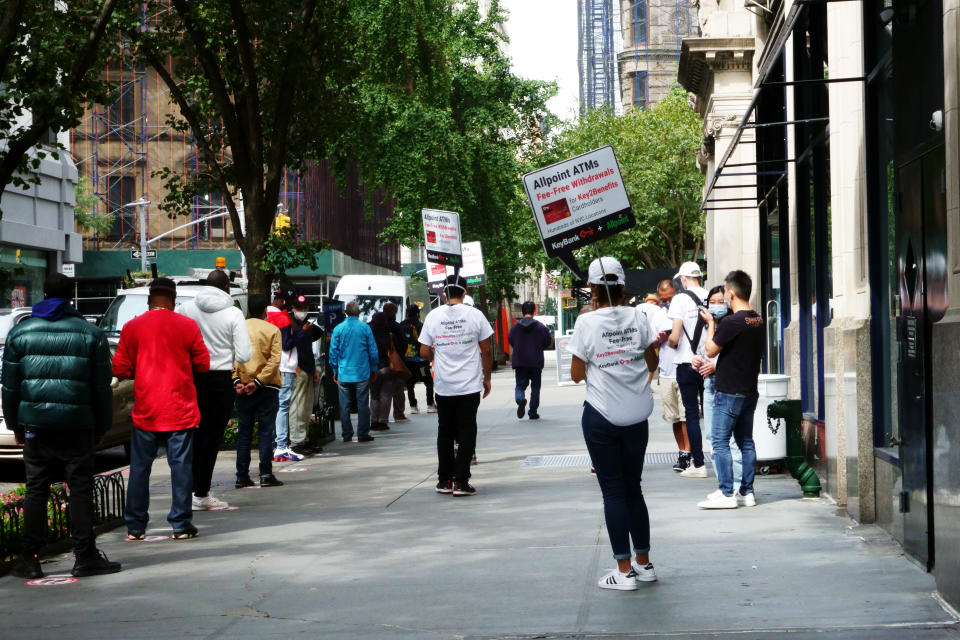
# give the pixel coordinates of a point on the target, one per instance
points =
(432, 237)
(556, 211)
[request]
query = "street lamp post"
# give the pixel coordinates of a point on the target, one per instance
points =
(141, 205)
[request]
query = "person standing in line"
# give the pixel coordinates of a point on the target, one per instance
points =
(161, 351)
(419, 368)
(670, 403)
(399, 385)
(381, 386)
(58, 403)
(614, 350)
(306, 377)
(450, 336)
(354, 360)
(289, 361)
(528, 338)
(687, 338)
(738, 341)
(224, 333)
(707, 368)
(257, 385)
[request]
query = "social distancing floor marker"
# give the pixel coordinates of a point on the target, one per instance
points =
(51, 581)
(326, 455)
(291, 470)
(150, 539)
(227, 508)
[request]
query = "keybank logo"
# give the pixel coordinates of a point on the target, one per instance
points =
(560, 244)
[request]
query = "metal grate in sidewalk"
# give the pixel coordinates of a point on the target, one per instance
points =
(583, 460)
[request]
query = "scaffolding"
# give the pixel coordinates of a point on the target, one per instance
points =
(597, 56)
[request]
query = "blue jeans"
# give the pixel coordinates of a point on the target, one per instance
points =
(261, 406)
(283, 412)
(733, 413)
(143, 451)
(709, 391)
(346, 391)
(690, 383)
(617, 455)
(531, 376)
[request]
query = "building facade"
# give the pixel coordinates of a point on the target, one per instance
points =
(37, 234)
(832, 145)
(652, 32)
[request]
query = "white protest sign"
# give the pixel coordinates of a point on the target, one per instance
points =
(441, 231)
(472, 268)
(577, 202)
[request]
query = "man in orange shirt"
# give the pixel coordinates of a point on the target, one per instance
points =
(161, 350)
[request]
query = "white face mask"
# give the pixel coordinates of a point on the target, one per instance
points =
(300, 315)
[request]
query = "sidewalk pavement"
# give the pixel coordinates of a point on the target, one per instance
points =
(358, 545)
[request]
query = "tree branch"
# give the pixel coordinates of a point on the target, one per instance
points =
(10, 32)
(249, 66)
(84, 60)
(17, 148)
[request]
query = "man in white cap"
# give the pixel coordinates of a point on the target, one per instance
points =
(687, 337)
(450, 337)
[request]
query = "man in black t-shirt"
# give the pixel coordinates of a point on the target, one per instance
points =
(738, 339)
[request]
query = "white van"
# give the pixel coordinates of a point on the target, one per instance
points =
(372, 292)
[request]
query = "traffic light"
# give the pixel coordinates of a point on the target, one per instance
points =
(281, 222)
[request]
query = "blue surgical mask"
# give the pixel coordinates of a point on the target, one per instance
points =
(717, 310)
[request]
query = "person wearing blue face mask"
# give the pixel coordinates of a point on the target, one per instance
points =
(707, 367)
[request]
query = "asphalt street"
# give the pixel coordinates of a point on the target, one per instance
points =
(359, 545)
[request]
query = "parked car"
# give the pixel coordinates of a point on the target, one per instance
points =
(130, 303)
(119, 433)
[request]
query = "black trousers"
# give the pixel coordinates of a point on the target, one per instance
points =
(49, 455)
(421, 373)
(215, 398)
(457, 418)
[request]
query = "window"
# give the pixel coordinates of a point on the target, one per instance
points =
(121, 191)
(638, 21)
(640, 89)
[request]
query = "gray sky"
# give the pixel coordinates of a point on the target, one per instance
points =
(543, 46)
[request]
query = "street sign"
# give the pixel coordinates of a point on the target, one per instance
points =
(577, 202)
(441, 231)
(135, 253)
(69, 269)
(472, 269)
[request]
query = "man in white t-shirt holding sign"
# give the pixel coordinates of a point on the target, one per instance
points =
(687, 337)
(456, 337)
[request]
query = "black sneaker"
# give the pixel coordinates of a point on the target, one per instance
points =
(461, 489)
(94, 565)
(313, 446)
(302, 449)
(379, 426)
(270, 480)
(185, 533)
(348, 438)
(445, 486)
(244, 482)
(27, 566)
(683, 461)
(520, 407)
(365, 439)
(534, 416)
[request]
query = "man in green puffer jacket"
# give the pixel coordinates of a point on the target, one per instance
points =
(58, 402)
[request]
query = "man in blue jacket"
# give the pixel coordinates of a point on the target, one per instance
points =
(58, 403)
(354, 360)
(528, 338)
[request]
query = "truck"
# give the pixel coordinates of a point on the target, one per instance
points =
(373, 292)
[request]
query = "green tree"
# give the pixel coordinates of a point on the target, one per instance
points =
(657, 149)
(83, 211)
(51, 57)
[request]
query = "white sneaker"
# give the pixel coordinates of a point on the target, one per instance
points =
(644, 574)
(694, 472)
(619, 581)
(431, 408)
(414, 410)
(749, 500)
(209, 502)
(720, 501)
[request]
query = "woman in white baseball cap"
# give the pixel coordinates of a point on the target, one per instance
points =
(613, 349)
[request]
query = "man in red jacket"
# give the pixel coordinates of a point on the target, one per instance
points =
(161, 350)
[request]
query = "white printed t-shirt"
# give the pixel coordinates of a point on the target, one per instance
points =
(454, 332)
(660, 322)
(611, 342)
(684, 308)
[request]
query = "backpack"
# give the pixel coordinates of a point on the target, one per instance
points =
(701, 323)
(412, 338)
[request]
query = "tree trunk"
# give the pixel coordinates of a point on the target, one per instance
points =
(253, 249)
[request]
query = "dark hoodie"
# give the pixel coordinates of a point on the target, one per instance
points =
(528, 338)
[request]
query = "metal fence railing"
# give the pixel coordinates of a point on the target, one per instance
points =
(109, 495)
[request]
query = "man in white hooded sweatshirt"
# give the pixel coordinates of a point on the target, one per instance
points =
(224, 331)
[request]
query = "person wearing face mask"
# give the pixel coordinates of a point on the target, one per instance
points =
(707, 368)
(306, 376)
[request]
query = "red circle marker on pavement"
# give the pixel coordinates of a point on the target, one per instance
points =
(51, 581)
(150, 539)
